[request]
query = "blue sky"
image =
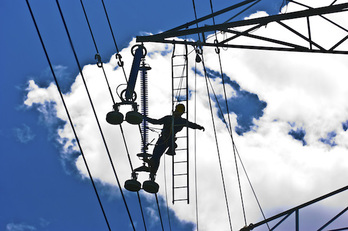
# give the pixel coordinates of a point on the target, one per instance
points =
(43, 189)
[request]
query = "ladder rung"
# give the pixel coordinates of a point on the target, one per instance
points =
(179, 55)
(179, 65)
(180, 200)
(180, 187)
(180, 149)
(179, 77)
(180, 101)
(180, 137)
(180, 162)
(182, 88)
(181, 174)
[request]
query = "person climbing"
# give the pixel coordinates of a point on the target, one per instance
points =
(165, 141)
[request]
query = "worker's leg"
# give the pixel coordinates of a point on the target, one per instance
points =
(158, 151)
(171, 150)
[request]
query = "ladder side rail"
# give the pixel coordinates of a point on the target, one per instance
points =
(187, 129)
(182, 87)
(175, 89)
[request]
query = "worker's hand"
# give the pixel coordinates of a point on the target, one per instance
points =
(202, 128)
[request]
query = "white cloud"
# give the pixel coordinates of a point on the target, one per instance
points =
(19, 227)
(307, 89)
(24, 133)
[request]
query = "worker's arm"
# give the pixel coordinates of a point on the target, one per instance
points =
(195, 126)
(154, 121)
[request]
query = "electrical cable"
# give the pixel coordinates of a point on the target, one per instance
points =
(235, 151)
(195, 12)
(159, 211)
(131, 166)
(69, 117)
(216, 141)
(95, 114)
(113, 36)
(217, 145)
(230, 124)
(121, 128)
(195, 149)
(166, 193)
(96, 48)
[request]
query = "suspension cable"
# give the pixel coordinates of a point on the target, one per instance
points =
(96, 48)
(251, 186)
(195, 147)
(95, 114)
(235, 151)
(239, 157)
(121, 128)
(113, 36)
(131, 166)
(229, 122)
(69, 117)
(217, 145)
(159, 211)
(166, 191)
(228, 126)
(216, 141)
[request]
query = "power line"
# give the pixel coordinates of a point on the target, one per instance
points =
(235, 151)
(121, 129)
(159, 212)
(215, 135)
(100, 63)
(229, 119)
(118, 55)
(195, 137)
(95, 114)
(166, 192)
(217, 146)
(68, 114)
(195, 149)
(131, 166)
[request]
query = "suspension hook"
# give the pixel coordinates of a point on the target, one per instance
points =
(217, 49)
(98, 58)
(119, 57)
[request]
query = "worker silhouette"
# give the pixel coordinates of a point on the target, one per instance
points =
(165, 141)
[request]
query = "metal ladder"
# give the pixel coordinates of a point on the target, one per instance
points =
(180, 94)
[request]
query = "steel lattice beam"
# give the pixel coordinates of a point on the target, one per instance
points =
(287, 213)
(230, 28)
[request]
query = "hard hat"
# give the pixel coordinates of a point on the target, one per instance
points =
(180, 108)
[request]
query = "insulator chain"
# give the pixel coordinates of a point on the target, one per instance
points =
(144, 99)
